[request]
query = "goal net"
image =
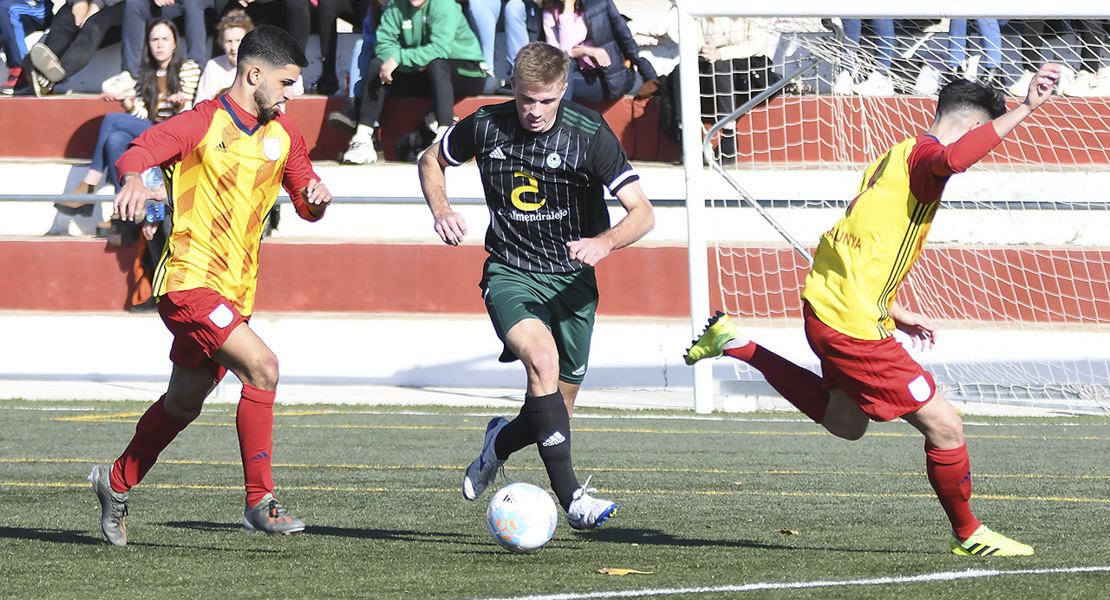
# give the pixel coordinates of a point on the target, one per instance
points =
(1016, 271)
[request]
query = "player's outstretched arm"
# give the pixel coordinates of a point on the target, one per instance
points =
(450, 225)
(1040, 88)
(635, 225)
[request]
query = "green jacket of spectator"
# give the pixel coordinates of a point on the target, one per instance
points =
(415, 37)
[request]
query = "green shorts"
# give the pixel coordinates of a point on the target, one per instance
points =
(565, 302)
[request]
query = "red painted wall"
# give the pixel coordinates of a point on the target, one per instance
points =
(1022, 283)
(77, 275)
(67, 126)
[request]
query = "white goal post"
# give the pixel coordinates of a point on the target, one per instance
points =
(799, 142)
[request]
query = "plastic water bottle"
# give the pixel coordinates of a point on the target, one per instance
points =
(155, 210)
(153, 178)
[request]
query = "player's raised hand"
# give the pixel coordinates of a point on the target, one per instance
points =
(130, 202)
(589, 251)
(1040, 88)
(451, 227)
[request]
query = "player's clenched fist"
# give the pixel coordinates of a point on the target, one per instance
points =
(1040, 88)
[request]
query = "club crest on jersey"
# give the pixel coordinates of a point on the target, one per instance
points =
(271, 148)
(554, 161)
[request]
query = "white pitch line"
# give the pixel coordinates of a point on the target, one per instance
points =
(578, 416)
(798, 585)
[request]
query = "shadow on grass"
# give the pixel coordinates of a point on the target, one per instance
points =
(344, 532)
(391, 534)
(61, 536)
(655, 537)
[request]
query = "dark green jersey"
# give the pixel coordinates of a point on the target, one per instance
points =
(542, 189)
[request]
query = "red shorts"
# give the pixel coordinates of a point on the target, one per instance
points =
(878, 375)
(200, 321)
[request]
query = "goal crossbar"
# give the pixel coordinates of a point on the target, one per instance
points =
(884, 9)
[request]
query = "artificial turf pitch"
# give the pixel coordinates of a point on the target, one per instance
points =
(735, 506)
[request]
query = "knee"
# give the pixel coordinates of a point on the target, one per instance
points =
(183, 408)
(948, 431)
(265, 373)
(843, 418)
(514, 9)
(437, 66)
(543, 362)
(112, 121)
(850, 430)
(137, 7)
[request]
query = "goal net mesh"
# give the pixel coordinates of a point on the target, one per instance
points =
(1015, 272)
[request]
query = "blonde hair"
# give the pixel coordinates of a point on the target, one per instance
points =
(539, 65)
(235, 18)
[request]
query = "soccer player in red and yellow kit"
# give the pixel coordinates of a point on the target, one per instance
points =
(225, 161)
(850, 309)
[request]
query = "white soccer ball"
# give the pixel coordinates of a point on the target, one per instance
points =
(522, 517)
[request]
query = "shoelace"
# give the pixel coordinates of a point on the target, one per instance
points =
(585, 489)
(119, 511)
(276, 510)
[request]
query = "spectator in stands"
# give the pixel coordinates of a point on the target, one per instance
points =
(78, 30)
(596, 37)
(1031, 34)
(137, 14)
(1094, 74)
(421, 45)
(17, 19)
(294, 16)
(656, 34)
(166, 86)
(849, 79)
(327, 13)
(521, 23)
(346, 119)
(734, 67)
(990, 68)
(219, 73)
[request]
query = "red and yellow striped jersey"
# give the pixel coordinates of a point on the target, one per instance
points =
(862, 261)
(223, 170)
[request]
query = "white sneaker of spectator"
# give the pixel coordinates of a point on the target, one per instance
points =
(842, 85)
(876, 84)
(122, 84)
(1088, 84)
(360, 152)
(927, 82)
(1020, 87)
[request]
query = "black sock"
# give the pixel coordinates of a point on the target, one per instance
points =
(514, 436)
(551, 431)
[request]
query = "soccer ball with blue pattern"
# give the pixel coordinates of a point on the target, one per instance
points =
(522, 517)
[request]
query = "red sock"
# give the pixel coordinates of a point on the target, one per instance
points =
(153, 433)
(950, 474)
(255, 423)
(801, 387)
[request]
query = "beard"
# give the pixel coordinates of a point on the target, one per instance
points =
(267, 110)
